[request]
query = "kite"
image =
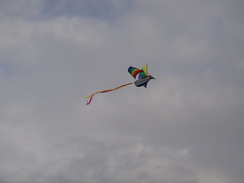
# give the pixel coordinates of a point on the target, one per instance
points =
(141, 76)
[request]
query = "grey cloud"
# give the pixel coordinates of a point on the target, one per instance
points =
(104, 10)
(90, 160)
(186, 127)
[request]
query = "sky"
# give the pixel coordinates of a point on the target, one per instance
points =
(186, 127)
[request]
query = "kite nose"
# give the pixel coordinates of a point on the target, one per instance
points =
(152, 77)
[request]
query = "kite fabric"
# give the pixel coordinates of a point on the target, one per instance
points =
(134, 71)
(140, 74)
(137, 72)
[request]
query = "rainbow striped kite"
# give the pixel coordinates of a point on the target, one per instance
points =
(141, 76)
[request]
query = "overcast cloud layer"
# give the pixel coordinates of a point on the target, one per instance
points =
(186, 127)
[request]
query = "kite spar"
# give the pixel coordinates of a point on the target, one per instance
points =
(140, 74)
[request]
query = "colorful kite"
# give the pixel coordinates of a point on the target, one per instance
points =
(141, 76)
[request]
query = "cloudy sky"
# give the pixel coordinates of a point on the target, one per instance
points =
(186, 127)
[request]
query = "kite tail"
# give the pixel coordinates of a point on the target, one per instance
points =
(104, 91)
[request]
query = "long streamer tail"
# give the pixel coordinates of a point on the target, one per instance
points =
(104, 91)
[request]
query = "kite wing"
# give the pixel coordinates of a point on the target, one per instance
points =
(141, 73)
(144, 68)
(134, 71)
